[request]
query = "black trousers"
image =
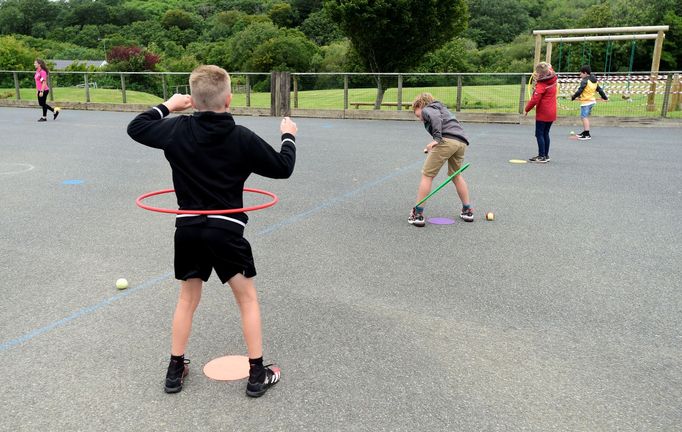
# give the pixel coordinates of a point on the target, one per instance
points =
(42, 101)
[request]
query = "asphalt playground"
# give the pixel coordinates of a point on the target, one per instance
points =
(562, 314)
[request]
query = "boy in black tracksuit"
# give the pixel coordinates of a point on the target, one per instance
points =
(211, 157)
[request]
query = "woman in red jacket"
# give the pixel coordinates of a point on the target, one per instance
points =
(544, 99)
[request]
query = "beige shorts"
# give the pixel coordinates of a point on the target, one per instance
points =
(450, 150)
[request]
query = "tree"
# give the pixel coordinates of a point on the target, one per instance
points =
(15, 55)
(282, 15)
(19, 16)
(85, 12)
(496, 21)
(393, 35)
(11, 19)
(290, 50)
(458, 55)
(320, 28)
(243, 44)
(177, 18)
(251, 7)
(332, 58)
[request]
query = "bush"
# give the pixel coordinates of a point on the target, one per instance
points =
(288, 51)
(131, 59)
(177, 18)
(15, 55)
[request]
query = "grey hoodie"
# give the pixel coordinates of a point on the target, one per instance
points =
(439, 122)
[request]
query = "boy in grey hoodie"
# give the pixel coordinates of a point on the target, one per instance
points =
(449, 145)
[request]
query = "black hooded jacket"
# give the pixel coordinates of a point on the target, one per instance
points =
(211, 157)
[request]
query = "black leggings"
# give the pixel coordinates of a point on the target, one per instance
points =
(42, 101)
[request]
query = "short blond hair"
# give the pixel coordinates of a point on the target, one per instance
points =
(210, 86)
(422, 100)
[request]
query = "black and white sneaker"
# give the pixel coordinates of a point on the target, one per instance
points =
(467, 215)
(272, 376)
(42, 119)
(175, 377)
(534, 158)
(585, 136)
(56, 113)
(416, 218)
(547, 159)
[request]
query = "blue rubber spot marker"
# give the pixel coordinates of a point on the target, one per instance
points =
(72, 182)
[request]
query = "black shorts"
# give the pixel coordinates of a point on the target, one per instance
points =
(198, 250)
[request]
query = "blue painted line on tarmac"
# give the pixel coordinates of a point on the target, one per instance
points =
(155, 280)
(81, 312)
(72, 182)
(329, 203)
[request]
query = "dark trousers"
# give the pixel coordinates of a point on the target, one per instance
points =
(42, 101)
(542, 135)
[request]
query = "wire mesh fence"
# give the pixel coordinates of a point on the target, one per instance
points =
(635, 94)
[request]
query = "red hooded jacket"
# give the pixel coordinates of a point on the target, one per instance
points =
(544, 97)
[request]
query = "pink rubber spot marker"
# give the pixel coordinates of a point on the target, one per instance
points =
(228, 368)
(440, 221)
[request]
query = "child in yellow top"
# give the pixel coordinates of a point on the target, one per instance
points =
(588, 87)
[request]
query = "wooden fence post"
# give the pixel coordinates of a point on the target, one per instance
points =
(675, 99)
(285, 93)
(163, 85)
(666, 96)
(87, 87)
(123, 88)
(17, 90)
(248, 91)
(274, 94)
(280, 94)
(49, 84)
(295, 78)
(345, 92)
(459, 94)
(522, 95)
(400, 92)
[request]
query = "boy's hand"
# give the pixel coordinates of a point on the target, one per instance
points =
(430, 146)
(288, 126)
(178, 102)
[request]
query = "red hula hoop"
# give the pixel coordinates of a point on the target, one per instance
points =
(142, 197)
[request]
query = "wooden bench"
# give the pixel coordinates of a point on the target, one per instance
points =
(357, 105)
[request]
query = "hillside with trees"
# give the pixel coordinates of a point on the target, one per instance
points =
(321, 36)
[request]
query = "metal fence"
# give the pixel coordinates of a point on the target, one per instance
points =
(633, 95)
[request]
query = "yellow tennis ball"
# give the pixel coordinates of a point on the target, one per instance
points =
(122, 283)
(489, 216)
(572, 132)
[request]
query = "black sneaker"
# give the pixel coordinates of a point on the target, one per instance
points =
(534, 159)
(175, 376)
(42, 119)
(272, 376)
(416, 218)
(584, 136)
(467, 214)
(542, 159)
(547, 159)
(56, 113)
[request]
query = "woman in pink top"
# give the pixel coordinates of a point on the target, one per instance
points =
(43, 90)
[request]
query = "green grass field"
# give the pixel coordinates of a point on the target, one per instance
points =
(75, 94)
(484, 99)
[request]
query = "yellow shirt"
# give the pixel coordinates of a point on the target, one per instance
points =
(587, 96)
